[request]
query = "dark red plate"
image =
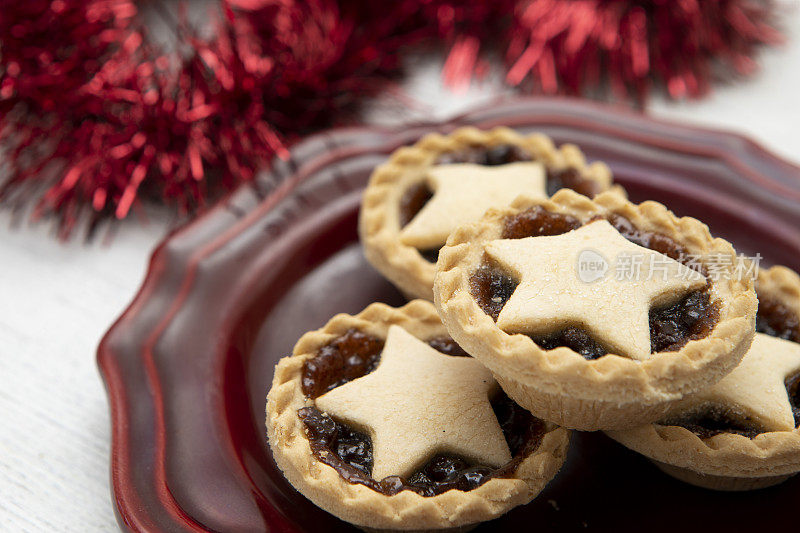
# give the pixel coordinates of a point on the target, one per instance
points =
(188, 365)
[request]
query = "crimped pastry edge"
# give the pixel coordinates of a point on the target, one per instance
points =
(363, 506)
(379, 219)
(771, 454)
(612, 378)
(781, 283)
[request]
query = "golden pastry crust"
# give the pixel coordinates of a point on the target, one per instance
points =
(361, 505)
(612, 392)
(771, 454)
(782, 284)
(726, 461)
(379, 220)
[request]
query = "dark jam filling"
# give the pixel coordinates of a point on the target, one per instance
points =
(775, 319)
(576, 339)
(431, 256)
(491, 288)
(502, 154)
(349, 452)
(671, 327)
(413, 200)
(570, 178)
(416, 196)
(412, 203)
(691, 318)
(348, 357)
(538, 222)
(707, 423)
(447, 346)
(793, 388)
(650, 239)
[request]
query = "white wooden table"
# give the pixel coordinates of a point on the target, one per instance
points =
(56, 300)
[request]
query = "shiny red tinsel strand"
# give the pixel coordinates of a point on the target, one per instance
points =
(561, 46)
(93, 117)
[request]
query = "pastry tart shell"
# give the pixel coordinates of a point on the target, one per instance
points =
(782, 284)
(406, 510)
(379, 219)
(612, 392)
(726, 461)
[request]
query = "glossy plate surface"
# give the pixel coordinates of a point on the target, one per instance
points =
(189, 363)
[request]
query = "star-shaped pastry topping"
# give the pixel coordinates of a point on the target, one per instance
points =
(756, 388)
(418, 403)
(463, 192)
(574, 280)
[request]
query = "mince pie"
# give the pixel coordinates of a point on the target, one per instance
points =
(382, 420)
(742, 433)
(425, 191)
(595, 314)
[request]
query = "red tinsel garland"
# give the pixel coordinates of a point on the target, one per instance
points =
(93, 116)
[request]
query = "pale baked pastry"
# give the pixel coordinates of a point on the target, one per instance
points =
(382, 420)
(425, 191)
(595, 314)
(742, 433)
